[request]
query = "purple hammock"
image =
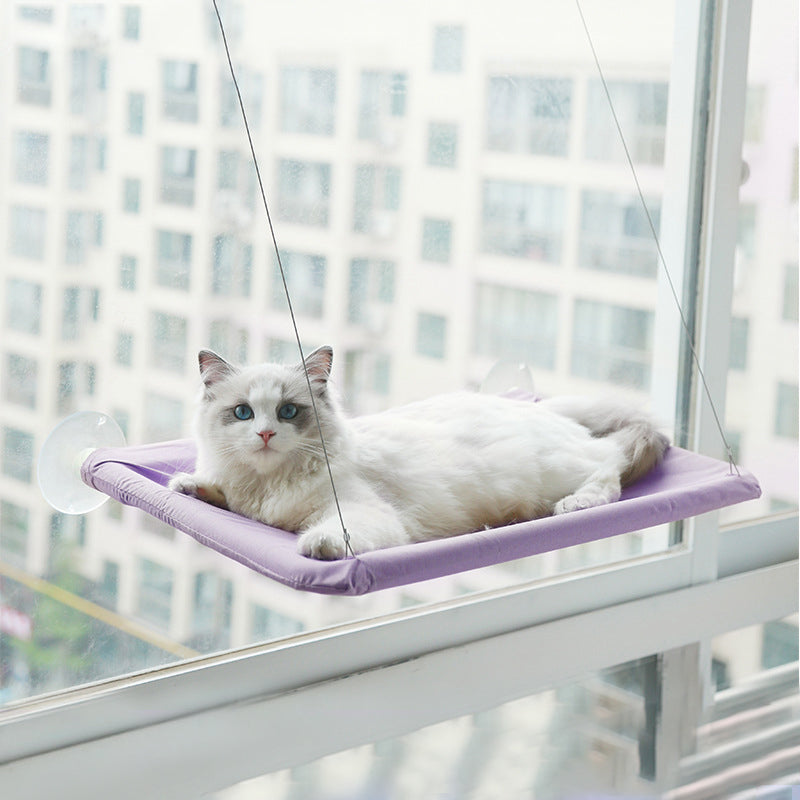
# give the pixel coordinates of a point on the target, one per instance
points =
(683, 485)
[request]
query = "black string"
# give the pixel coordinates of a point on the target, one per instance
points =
(345, 534)
(684, 323)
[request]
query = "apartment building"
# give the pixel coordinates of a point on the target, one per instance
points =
(448, 191)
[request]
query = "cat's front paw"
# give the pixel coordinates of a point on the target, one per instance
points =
(190, 485)
(326, 544)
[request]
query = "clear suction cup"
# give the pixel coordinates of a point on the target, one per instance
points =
(62, 456)
(508, 376)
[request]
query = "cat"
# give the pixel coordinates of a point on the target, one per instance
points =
(450, 464)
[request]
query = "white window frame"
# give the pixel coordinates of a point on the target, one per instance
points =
(204, 724)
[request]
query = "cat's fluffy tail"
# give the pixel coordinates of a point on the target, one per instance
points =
(635, 431)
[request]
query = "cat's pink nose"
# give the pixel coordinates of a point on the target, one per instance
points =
(266, 435)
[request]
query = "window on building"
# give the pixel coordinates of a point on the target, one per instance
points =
(615, 235)
(612, 343)
(367, 374)
(431, 335)
(127, 273)
(436, 240)
(21, 373)
(308, 100)
(304, 189)
(88, 82)
(156, 583)
(124, 349)
(180, 97)
(31, 157)
(163, 418)
(23, 312)
(79, 236)
(131, 22)
(212, 609)
(14, 530)
(131, 195)
(514, 325)
(523, 220)
(371, 292)
(78, 168)
(173, 260)
(108, 588)
(641, 108)
(231, 266)
(529, 114)
(381, 104)
(740, 335)
(789, 296)
(27, 232)
(178, 166)
(377, 199)
(17, 454)
(251, 86)
(33, 76)
(267, 623)
(305, 277)
(39, 14)
(168, 340)
(786, 411)
(67, 387)
(442, 144)
(230, 340)
(72, 317)
(136, 113)
(448, 48)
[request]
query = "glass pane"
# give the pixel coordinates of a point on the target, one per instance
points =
(762, 406)
(439, 207)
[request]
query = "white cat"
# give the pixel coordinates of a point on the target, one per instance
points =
(435, 468)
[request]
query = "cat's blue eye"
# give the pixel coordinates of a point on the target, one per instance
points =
(243, 412)
(287, 411)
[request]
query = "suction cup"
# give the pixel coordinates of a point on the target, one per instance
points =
(62, 456)
(508, 376)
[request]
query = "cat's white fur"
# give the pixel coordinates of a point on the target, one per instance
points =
(439, 467)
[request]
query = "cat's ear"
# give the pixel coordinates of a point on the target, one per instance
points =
(213, 368)
(318, 364)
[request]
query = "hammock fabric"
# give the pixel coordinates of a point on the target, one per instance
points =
(683, 485)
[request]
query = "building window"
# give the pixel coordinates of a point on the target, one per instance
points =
(305, 277)
(431, 335)
(790, 293)
(232, 266)
(615, 235)
(371, 292)
(80, 233)
(20, 380)
(523, 220)
(448, 48)
(266, 623)
(88, 82)
(124, 354)
(78, 170)
(180, 96)
(442, 144)
(304, 189)
(612, 343)
(527, 114)
(127, 273)
(31, 157)
(229, 340)
(163, 418)
(436, 239)
(786, 411)
(382, 103)
(33, 83)
(515, 325)
(377, 199)
(39, 14)
(308, 100)
(131, 195)
(213, 604)
(642, 112)
(14, 524)
(174, 260)
(17, 454)
(23, 306)
(67, 388)
(109, 579)
(251, 85)
(740, 329)
(27, 234)
(131, 22)
(168, 338)
(177, 175)
(155, 592)
(367, 373)
(135, 113)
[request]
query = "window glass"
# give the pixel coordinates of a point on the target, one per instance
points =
(762, 404)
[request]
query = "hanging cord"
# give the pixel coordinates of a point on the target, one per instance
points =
(345, 534)
(684, 323)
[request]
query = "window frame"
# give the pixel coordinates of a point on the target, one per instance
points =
(355, 681)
